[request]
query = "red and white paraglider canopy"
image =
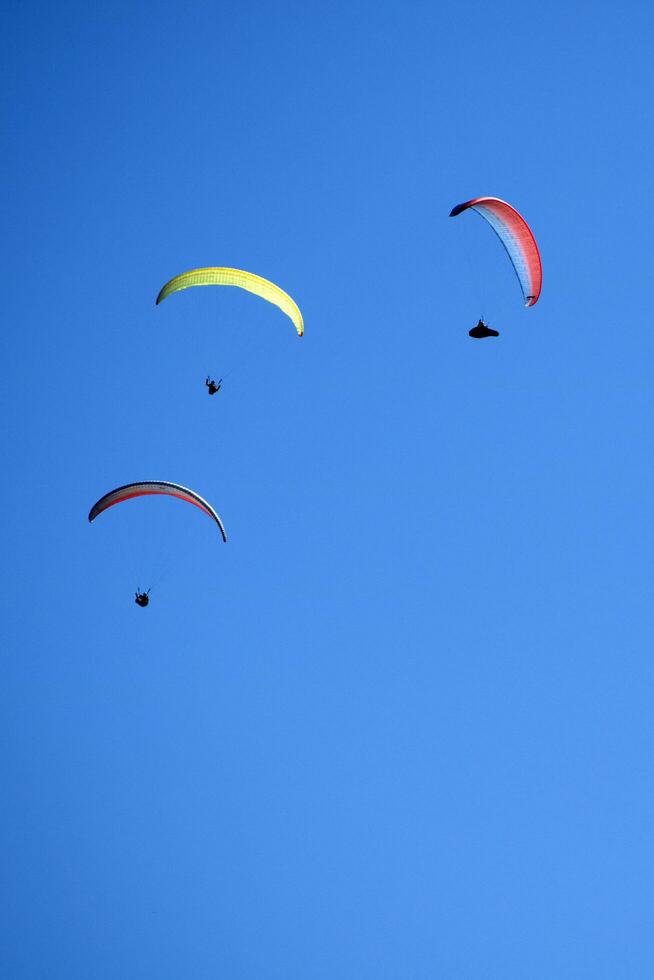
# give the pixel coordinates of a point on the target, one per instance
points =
(516, 237)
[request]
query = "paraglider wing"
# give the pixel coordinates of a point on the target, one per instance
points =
(131, 490)
(218, 276)
(517, 238)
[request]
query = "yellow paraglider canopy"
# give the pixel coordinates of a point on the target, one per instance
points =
(218, 276)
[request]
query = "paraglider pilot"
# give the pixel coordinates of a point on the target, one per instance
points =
(482, 330)
(212, 386)
(142, 598)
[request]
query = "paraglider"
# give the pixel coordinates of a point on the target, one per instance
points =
(483, 330)
(221, 276)
(517, 238)
(154, 488)
(150, 488)
(212, 386)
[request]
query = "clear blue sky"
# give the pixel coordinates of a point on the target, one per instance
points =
(400, 726)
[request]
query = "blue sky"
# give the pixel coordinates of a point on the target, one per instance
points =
(400, 725)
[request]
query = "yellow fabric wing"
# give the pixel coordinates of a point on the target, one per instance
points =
(217, 276)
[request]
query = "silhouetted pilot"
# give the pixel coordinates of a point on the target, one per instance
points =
(481, 330)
